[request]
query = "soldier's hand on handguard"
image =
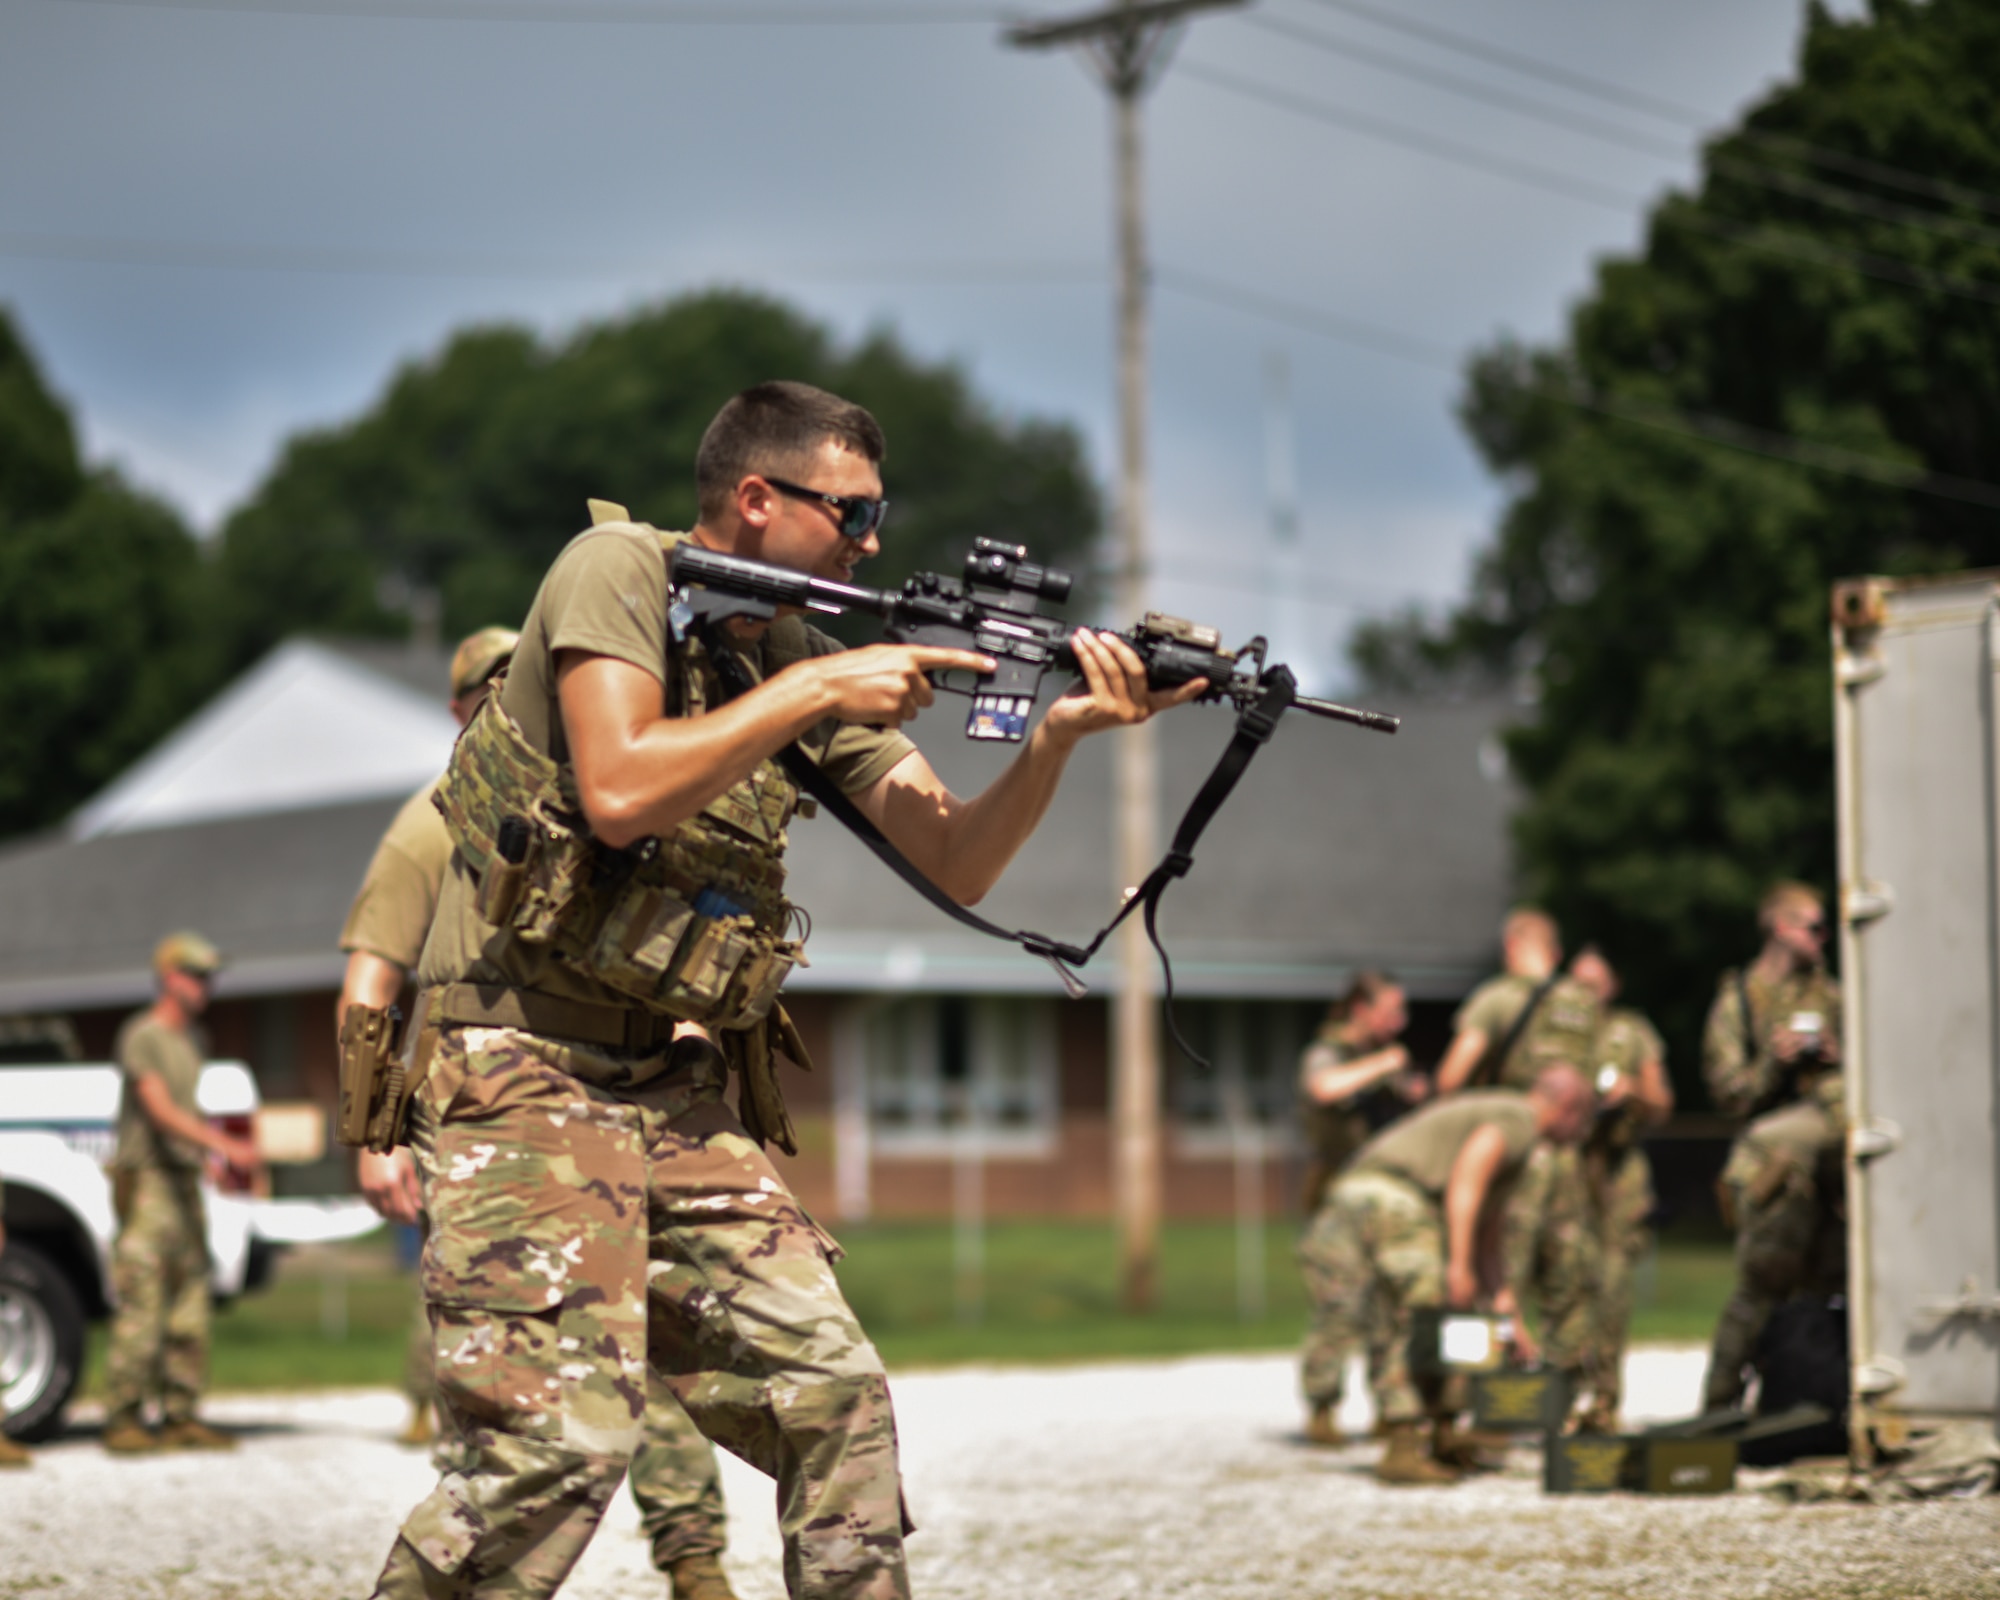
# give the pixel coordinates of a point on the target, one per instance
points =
(880, 685)
(1113, 693)
(389, 1184)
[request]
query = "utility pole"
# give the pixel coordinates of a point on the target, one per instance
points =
(1128, 46)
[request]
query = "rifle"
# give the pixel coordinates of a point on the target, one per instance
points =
(993, 610)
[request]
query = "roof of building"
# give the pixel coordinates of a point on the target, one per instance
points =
(1341, 848)
(309, 725)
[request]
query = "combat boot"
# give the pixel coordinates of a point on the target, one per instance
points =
(1322, 1429)
(12, 1454)
(421, 1429)
(699, 1577)
(188, 1434)
(1405, 1462)
(126, 1435)
(1466, 1450)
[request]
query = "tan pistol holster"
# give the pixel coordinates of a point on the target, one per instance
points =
(373, 1084)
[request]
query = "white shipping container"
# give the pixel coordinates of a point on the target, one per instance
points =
(1917, 754)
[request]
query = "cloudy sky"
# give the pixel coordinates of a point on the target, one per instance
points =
(222, 221)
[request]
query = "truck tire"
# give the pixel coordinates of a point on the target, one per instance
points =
(41, 1342)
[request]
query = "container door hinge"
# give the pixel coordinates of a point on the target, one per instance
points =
(1864, 900)
(1874, 1139)
(1879, 1376)
(1855, 668)
(1969, 1306)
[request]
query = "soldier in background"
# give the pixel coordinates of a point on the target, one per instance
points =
(674, 1476)
(1771, 1053)
(159, 1262)
(1416, 1220)
(1634, 1094)
(1531, 1015)
(1353, 1078)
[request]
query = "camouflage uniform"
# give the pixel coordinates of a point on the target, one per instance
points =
(159, 1262)
(1783, 1186)
(1334, 1132)
(1619, 1179)
(1376, 1250)
(675, 1480)
(1554, 1250)
(598, 1213)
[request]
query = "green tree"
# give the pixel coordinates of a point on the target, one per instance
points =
(1830, 293)
(472, 470)
(102, 597)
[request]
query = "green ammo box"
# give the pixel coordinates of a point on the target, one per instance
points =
(1684, 1466)
(1528, 1399)
(1587, 1463)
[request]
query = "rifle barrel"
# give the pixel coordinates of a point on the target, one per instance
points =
(1380, 721)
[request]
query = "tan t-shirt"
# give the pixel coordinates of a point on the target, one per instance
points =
(391, 914)
(144, 1046)
(1563, 1028)
(1424, 1145)
(607, 595)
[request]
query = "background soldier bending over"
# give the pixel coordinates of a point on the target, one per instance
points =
(159, 1264)
(1771, 1053)
(1513, 1025)
(674, 1475)
(1353, 1079)
(1416, 1220)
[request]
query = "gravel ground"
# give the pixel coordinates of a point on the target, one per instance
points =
(1140, 1479)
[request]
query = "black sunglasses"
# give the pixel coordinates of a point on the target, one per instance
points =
(857, 515)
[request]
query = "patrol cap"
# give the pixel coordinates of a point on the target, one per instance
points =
(478, 656)
(186, 952)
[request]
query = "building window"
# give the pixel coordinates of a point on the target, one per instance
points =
(943, 1069)
(1252, 1052)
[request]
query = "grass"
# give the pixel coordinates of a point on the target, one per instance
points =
(1048, 1294)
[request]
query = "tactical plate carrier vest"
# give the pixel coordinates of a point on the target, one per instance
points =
(692, 925)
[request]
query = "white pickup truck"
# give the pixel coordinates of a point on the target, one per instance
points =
(58, 1125)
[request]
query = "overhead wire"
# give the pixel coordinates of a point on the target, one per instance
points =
(747, 13)
(1627, 98)
(1554, 181)
(1835, 460)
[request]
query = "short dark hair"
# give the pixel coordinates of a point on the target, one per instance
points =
(1363, 989)
(777, 427)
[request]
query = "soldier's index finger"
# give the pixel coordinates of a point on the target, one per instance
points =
(937, 655)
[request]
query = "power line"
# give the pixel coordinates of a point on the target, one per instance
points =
(594, 12)
(1528, 172)
(1888, 268)
(1833, 459)
(1470, 88)
(349, 262)
(1626, 98)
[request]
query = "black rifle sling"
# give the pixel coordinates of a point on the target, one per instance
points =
(1489, 1068)
(1254, 727)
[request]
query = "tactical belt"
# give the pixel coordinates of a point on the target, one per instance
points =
(1254, 726)
(494, 1005)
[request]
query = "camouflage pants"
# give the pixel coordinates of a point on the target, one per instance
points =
(1555, 1256)
(159, 1273)
(1373, 1253)
(1625, 1196)
(585, 1230)
(1783, 1186)
(1331, 1342)
(675, 1481)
